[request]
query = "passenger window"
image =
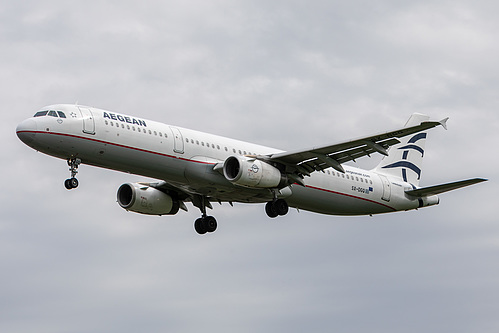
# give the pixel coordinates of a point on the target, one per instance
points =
(40, 114)
(61, 114)
(226, 149)
(53, 114)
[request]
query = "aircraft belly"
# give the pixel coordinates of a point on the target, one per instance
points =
(97, 152)
(57, 145)
(202, 179)
(326, 201)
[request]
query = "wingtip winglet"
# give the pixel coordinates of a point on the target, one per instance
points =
(443, 122)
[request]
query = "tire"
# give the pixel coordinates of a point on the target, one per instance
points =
(271, 210)
(210, 223)
(199, 226)
(281, 207)
(67, 184)
(73, 182)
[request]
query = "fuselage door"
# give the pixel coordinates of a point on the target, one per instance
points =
(88, 120)
(387, 192)
(178, 140)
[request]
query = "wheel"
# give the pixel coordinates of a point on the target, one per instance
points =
(210, 223)
(281, 207)
(270, 209)
(199, 226)
(73, 182)
(67, 184)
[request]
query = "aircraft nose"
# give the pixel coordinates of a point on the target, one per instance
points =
(26, 131)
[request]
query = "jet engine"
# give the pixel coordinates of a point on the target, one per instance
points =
(250, 172)
(144, 199)
(430, 201)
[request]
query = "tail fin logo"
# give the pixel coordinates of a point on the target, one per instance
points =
(405, 163)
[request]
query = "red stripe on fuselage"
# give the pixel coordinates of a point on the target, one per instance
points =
(184, 159)
(349, 195)
(115, 144)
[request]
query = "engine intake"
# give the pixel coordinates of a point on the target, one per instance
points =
(144, 199)
(250, 172)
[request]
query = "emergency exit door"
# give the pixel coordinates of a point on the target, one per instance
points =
(387, 191)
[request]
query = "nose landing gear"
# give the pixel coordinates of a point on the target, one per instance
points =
(73, 167)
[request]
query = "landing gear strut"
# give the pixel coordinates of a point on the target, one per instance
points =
(205, 223)
(276, 208)
(73, 167)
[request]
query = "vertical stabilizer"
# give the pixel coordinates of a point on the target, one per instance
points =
(405, 159)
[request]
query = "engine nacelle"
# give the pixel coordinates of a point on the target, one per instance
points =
(430, 201)
(144, 199)
(250, 172)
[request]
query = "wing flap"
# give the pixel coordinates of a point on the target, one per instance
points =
(437, 189)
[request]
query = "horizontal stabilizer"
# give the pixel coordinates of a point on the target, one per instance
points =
(437, 189)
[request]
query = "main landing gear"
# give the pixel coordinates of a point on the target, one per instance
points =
(205, 223)
(73, 167)
(278, 207)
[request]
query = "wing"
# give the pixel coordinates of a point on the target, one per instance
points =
(175, 192)
(304, 162)
(182, 195)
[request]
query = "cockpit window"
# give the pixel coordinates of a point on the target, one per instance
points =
(50, 113)
(41, 113)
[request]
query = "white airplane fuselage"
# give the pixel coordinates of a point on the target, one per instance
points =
(187, 160)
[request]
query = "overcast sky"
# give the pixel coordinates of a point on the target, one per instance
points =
(288, 74)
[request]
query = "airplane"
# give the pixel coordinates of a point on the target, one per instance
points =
(201, 168)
